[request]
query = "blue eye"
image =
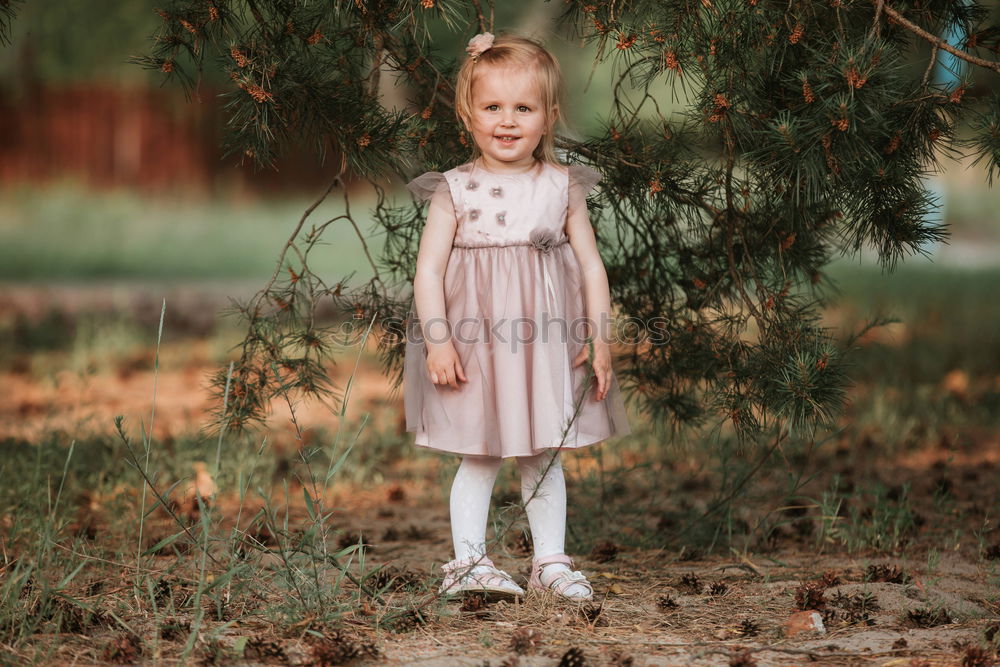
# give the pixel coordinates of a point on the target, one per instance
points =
(492, 107)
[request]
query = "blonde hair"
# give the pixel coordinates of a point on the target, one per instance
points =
(523, 53)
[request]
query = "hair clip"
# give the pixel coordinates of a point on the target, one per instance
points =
(479, 43)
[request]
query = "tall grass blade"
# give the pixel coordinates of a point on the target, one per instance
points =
(147, 443)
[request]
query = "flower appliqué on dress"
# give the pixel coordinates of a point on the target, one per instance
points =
(474, 214)
(502, 217)
(496, 191)
(471, 185)
(544, 240)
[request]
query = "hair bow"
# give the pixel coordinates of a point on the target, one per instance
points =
(479, 43)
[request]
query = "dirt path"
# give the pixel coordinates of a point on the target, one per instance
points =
(658, 608)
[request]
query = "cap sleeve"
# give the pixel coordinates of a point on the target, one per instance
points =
(432, 187)
(583, 177)
(582, 180)
(425, 185)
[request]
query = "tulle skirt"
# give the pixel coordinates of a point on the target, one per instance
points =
(517, 320)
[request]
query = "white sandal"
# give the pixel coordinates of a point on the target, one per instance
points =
(562, 581)
(477, 575)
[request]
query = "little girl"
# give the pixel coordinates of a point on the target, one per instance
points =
(508, 288)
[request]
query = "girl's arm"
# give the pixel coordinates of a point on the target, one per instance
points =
(428, 289)
(597, 295)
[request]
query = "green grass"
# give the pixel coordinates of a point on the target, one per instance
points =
(65, 232)
(950, 321)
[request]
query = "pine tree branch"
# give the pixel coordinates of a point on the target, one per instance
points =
(394, 49)
(298, 228)
(937, 41)
(930, 67)
(479, 15)
(679, 195)
(731, 228)
(876, 30)
(376, 71)
(361, 235)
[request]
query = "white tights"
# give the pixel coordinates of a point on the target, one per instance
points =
(546, 506)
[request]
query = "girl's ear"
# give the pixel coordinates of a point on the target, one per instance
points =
(553, 117)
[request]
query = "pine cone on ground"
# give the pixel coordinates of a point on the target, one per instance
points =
(525, 640)
(749, 628)
(809, 595)
(337, 649)
(666, 602)
(890, 574)
(718, 588)
(742, 659)
(474, 602)
(263, 649)
(593, 614)
(690, 582)
(622, 659)
(573, 658)
(405, 621)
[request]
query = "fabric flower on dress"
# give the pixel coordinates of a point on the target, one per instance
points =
(544, 240)
(479, 43)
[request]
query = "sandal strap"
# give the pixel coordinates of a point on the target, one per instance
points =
(466, 564)
(476, 571)
(564, 580)
(553, 558)
(494, 578)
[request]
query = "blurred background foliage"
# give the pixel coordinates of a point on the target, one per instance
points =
(166, 205)
(59, 43)
(110, 174)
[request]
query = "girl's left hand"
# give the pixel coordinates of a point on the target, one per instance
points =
(602, 367)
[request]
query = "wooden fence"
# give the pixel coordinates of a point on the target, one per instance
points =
(149, 139)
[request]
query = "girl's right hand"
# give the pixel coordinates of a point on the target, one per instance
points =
(444, 366)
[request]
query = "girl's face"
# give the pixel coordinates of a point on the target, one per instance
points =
(508, 120)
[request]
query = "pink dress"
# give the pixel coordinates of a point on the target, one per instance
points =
(514, 301)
